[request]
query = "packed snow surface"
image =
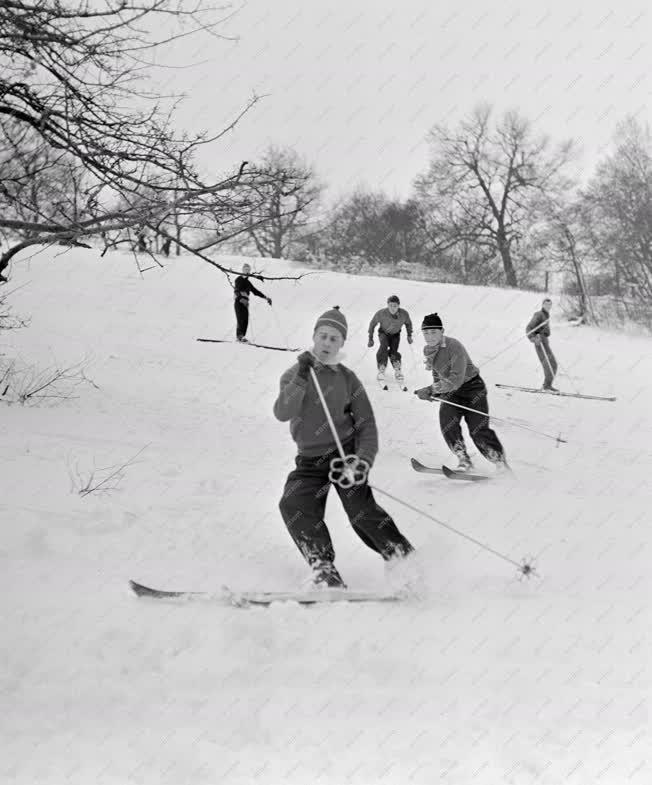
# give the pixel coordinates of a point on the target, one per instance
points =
(488, 680)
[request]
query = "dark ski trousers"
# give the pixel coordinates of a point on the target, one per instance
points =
(547, 360)
(242, 319)
(388, 347)
(472, 394)
(304, 501)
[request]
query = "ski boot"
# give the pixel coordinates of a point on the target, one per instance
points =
(465, 464)
(381, 373)
(241, 339)
(326, 576)
(502, 467)
(398, 373)
(405, 577)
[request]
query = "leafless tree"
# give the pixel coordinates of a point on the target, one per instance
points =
(480, 183)
(375, 228)
(618, 212)
(38, 183)
(283, 198)
(562, 243)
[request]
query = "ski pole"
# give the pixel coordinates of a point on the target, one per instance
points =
(415, 370)
(500, 419)
(554, 373)
(347, 470)
(527, 334)
(524, 567)
(250, 325)
(331, 424)
(280, 328)
(548, 363)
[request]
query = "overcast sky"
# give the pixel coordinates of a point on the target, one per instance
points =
(355, 86)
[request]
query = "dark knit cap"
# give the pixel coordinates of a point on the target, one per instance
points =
(333, 318)
(432, 322)
(394, 299)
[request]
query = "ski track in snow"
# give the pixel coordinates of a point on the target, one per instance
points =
(488, 680)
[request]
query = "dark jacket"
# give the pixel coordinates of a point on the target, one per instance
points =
(539, 324)
(242, 287)
(298, 401)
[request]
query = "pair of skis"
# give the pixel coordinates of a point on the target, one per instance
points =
(247, 599)
(555, 392)
(382, 381)
(248, 343)
(451, 474)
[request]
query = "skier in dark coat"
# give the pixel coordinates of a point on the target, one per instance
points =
(304, 497)
(538, 332)
(457, 380)
(390, 322)
(242, 288)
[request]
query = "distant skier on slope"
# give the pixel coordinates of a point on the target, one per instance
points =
(390, 321)
(304, 497)
(457, 380)
(242, 288)
(538, 332)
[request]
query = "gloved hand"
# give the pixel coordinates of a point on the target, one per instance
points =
(424, 393)
(306, 361)
(371, 342)
(409, 339)
(269, 300)
(357, 472)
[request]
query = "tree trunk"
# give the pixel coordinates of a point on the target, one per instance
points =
(465, 262)
(579, 278)
(278, 244)
(177, 229)
(506, 256)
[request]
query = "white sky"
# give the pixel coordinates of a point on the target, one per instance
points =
(355, 86)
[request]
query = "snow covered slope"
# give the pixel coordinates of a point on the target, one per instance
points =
(489, 680)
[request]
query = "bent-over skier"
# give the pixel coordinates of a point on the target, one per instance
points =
(304, 497)
(456, 380)
(390, 321)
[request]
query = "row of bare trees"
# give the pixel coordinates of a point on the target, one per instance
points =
(498, 204)
(86, 153)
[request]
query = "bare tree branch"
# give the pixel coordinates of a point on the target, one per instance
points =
(85, 150)
(113, 476)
